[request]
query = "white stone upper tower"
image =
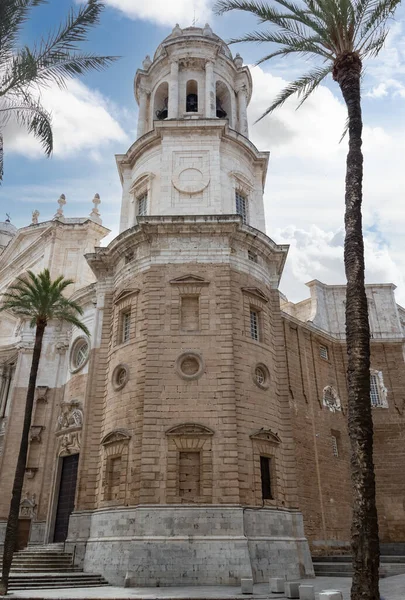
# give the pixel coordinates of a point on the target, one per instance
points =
(192, 155)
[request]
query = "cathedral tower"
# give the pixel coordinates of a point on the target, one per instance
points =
(187, 470)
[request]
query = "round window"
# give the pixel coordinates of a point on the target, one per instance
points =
(79, 354)
(261, 376)
(120, 376)
(190, 365)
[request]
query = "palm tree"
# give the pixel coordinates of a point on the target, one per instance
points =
(339, 35)
(38, 298)
(25, 70)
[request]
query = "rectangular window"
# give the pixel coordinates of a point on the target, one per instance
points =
(113, 477)
(125, 326)
(190, 313)
(241, 206)
(375, 391)
(265, 463)
(189, 474)
(323, 352)
(254, 324)
(252, 256)
(142, 205)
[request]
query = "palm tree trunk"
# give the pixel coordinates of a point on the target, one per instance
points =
(365, 543)
(12, 522)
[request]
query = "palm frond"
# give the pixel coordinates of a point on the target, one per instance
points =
(310, 45)
(13, 16)
(33, 117)
(38, 297)
(303, 87)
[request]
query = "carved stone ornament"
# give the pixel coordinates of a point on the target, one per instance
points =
(118, 435)
(253, 291)
(330, 399)
(35, 433)
(30, 472)
(28, 506)
(69, 426)
(41, 394)
(71, 416)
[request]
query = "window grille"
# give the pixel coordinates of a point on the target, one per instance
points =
(125, 326)
(375, 392)
(252, 256)
(142, 205)
(323, 352)
(260, 376)
(335, 448)
(254, 324)
(241, 206)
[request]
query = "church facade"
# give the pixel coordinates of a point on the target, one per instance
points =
(199, 435)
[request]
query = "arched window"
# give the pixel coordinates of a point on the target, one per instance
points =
(378, 391)
(223, 101)
(161, 102)
(192, 96)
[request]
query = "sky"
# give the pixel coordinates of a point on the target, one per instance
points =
(95, 118)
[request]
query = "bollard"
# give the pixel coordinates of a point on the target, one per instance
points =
(127, 582)
(247, 586)
(291, 589)
(331, 595)
(276, 585)
(307, 592)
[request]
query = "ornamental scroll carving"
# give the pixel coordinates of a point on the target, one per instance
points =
(69, 427)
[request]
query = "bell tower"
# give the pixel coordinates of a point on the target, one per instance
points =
(187, 470)
(192, 155)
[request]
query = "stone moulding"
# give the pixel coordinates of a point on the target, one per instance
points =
(190, 429)
(266, 435)
(253, 291)
(118, 435)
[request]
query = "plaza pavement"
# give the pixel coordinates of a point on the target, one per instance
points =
(392, 588)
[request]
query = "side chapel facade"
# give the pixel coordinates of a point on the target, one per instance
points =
(199, 434)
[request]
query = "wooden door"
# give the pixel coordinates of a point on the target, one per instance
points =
(66, 497)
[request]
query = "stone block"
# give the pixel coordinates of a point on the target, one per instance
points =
(306, 592)
(331, 595)
(291, 589)
(246, 586)
(276, 584)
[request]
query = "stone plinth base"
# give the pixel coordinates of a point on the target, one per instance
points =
(190, 545)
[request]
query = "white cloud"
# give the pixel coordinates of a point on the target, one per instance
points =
(81, 120)
(163, 12)
(318, 254)
(304, 197)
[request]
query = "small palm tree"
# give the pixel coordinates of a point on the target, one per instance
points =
(41, 300)
(24, 71)
(338, 35)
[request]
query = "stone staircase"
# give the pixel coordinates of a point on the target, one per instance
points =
(47, 567)
(341, 566)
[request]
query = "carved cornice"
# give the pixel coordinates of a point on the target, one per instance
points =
(266, 435)
(253, 291)
(190, 429)
(118, 435)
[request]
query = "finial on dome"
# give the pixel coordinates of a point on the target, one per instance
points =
(8, 219)
(95, 213)
(238, 60)
(146, 62)
(177, 30)
(35, 215)
(61, 202)
(207, 30)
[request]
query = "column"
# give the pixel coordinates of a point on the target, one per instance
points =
(242, 112)
(173, 111)
(142, 113)
(210, 103)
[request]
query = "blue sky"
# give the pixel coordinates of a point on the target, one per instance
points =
(96, 118)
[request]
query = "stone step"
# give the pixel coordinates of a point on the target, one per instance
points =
(56, 580)
(348, 559)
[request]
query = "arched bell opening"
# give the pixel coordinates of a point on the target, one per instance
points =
(192, 96)
(161, 102)
(223, 101)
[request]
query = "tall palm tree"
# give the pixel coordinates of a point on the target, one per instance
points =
(23, 71)
(41, 300)
(338, 35)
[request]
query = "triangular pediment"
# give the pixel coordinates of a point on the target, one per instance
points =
(254, 291)
(125, 293)
(190, 429)
(23, 239)
(191, 279)
(266, 435)
(118, 435)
